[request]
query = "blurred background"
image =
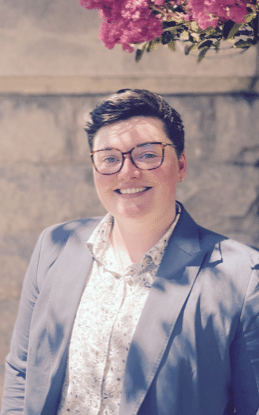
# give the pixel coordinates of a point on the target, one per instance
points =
(53, 70)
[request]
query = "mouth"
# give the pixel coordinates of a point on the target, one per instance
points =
(132, 190)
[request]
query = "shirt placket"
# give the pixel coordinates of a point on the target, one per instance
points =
(137, 283)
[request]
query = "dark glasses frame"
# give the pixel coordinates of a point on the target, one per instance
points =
(130, 155)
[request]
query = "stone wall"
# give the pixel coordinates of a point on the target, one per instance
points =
(53, 70)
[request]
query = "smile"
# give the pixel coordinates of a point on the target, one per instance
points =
(132, 190)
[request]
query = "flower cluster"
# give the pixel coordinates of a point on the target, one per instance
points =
(213, 12)
(126, 22)
(202, 24)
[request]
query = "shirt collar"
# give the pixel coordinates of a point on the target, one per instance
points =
(99, 242)
(157, 251)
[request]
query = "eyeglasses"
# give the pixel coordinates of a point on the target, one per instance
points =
(146, 156)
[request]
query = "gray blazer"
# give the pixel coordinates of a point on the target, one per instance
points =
(195, 350)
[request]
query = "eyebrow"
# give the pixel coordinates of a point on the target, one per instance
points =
(107, 148)
(138, 145)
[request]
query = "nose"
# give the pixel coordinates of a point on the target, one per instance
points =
(128, 169)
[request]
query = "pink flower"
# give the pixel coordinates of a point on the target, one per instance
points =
(237, 13)
(211, 12)
(159, 2)
(125, 22)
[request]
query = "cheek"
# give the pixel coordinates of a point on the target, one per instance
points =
(100, 180)
(102, 184)
(168, 177)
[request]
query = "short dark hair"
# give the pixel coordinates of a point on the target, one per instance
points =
(128, 103)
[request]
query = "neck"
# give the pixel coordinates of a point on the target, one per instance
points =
(133, 238)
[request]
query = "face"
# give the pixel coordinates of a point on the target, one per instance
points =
(133, 193)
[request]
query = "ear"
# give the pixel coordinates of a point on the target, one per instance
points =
(182, 167)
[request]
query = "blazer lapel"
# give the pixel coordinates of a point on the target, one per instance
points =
(169, 292)
(55, 310)
(70, 274)
(66, 281)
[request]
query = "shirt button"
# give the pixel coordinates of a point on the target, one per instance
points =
(148, 260)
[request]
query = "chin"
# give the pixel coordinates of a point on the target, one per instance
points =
(131, 213)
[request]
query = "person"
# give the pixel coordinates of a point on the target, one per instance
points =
(142, 312)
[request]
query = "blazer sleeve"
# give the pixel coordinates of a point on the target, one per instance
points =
(244, 353)
(16, 361)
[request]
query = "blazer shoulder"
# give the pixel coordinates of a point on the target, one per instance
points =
(55, 238)
(230, 249)
(80, 228)
(192, 237)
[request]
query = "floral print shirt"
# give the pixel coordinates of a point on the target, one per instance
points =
(106, 319)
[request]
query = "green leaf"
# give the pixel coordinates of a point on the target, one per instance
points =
(250, 17)
(139, 54)
(231, 40)
(194, 26)
(227, 28)
(172, 45)
(166, 37)
(255, 24)
(202, 53)
(196, 36)
(235, 28)
(209, 31)
(185, 35)
(207, 43)
(173, 29)
(244, 44)
(168, 25)
(171, 7)
(190, 48)
(153, 44)
(217, 45)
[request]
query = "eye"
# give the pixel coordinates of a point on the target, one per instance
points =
(109, 157)
(147, 155)
(110, 160)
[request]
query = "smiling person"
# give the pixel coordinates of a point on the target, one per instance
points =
(142, 312)
(136, 174)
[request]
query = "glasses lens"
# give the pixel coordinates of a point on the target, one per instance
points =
(107, 161)
(148, 156)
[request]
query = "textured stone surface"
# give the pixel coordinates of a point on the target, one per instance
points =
(8, 312)
(37, 130)
(237, 126)
(219, 194)
(36, 196)
(43, 129)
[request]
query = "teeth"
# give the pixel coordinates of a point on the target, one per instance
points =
(132, 190)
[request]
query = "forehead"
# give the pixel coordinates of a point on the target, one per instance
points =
(128, 133)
